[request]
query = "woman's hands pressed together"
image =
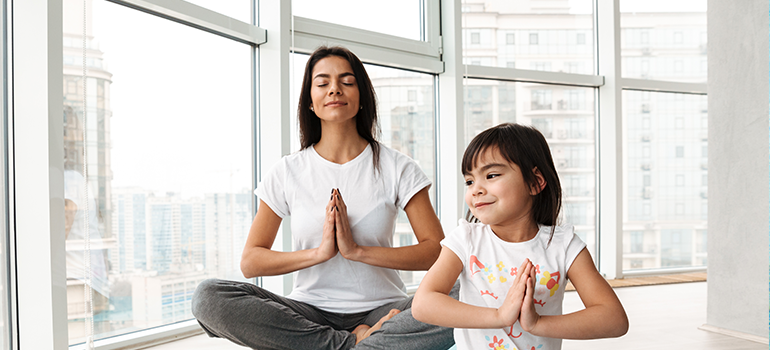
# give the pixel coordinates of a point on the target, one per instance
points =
(328, 247)
(345, 243)
(337, 236)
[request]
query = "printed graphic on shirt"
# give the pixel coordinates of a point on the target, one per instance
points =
(546, 286)
(551, 281)
(475, 266)
(497, 344)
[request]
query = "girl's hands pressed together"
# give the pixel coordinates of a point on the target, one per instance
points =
(529, 317)
(509, 312)
(345, 243)
(328, 248)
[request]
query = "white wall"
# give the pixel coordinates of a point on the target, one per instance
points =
(738, 165)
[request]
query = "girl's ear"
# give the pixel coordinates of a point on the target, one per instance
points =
(539, 184)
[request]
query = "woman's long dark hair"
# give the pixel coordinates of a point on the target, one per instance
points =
(366, 118)
(526, 147)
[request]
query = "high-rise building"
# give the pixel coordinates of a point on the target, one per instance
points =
(228, 217)
(88, 202)
(666, 145)
(130, 230)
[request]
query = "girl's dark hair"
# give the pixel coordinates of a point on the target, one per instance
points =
(366, 118)
(526, 147)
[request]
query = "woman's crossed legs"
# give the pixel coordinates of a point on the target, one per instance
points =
(251, 316)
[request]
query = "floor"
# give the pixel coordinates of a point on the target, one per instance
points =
(663, 316)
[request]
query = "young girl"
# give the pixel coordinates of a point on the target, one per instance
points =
(515, 263)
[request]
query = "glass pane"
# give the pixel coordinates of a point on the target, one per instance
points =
(402, 18)
(565, 115)
(240, 9)
(554, 36)
(168, 147)
(664, 40)
(666, 176)
(406, 111)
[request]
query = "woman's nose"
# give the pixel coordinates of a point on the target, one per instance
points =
(334, 89)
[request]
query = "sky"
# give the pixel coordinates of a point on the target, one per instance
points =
(180, 101)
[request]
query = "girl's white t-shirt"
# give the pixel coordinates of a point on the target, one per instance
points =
(300, 186)
(490, 266)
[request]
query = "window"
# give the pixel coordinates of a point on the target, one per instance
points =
(581, 38)
(533, 39)
(510, 39)
(661, 173)
(672, 41)
(544, 66)
(541, 99)
(368, 15)
(680, 151)
(475, 38)
(157, 216)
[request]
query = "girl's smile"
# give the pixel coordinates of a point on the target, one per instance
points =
(498, 196)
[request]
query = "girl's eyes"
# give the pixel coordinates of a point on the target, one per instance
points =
(489, 176)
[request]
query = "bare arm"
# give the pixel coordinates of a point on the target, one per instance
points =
(433, 305)
(259, 259)
(603, 317)
(420, 256)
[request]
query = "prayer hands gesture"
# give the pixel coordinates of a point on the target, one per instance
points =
(337, 236)
(529, 317)
(328, 248)
(511, 309)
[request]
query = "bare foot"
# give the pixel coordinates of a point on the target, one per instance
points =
(377, 325)
(360, 332)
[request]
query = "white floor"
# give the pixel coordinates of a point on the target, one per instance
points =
(661, 317)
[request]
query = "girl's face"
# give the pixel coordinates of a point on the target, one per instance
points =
(334, 90)
(496, 192)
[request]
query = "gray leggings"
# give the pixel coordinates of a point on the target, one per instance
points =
(251, 316)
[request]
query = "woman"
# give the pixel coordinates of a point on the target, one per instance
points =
(346, 286)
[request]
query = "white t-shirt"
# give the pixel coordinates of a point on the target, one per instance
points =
(300, 187)
(489, 267)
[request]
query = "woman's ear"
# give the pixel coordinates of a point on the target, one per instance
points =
(539, 184)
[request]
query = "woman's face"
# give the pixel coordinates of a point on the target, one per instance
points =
(334, 90)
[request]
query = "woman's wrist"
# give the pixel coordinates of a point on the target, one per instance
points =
(356, 253)
(318, 256)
